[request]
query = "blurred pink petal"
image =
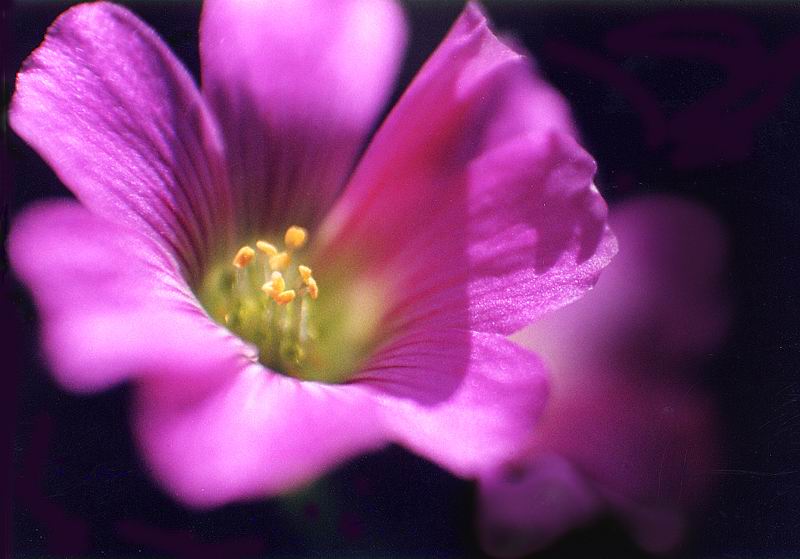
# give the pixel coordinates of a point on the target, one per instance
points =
(255, 433)
(628, 423)
(112, 305)
(525, 506)
(472, 213)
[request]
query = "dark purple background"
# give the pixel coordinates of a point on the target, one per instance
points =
(704, 102)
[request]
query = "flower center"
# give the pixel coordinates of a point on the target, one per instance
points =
(270, 298)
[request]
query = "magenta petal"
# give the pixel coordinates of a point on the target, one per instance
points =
(120, 121)
(256, 433)
(465, 400)
(527, 506)
(471, 193)
(296, 86)
(112, 305)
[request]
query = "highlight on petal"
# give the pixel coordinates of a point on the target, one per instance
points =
(112, 305)
(297, 85)
(120, 121)
(252, 434)
(470, 188)
(465, 400)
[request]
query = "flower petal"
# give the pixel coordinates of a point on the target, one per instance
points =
(255, 434)
(120, 121)
(111, 303)
(524, 507)
(471, 190)
(465, 400)
(296, 86)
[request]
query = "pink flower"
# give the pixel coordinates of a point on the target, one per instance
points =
(628, 427)
(470, 214)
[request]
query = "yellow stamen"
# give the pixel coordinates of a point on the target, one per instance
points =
(268, 289)
(305, 272)
(266, 248)
(275, 285)
(280, 261)
(269, 300)
(295, 237)
(313, 290)
(285, 297)
(243, 257)
(278, 282)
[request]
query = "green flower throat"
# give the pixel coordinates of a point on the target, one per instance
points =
(269, 298)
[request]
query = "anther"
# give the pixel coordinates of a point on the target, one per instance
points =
(313, 290)
(278, 282)
(285, 297)
(295, 237)
(268, 289)
(266, 248)
(243, 257)
(280, 261)
(275, 285)
(305, 272)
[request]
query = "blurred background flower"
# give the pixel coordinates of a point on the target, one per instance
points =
(628, 427)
